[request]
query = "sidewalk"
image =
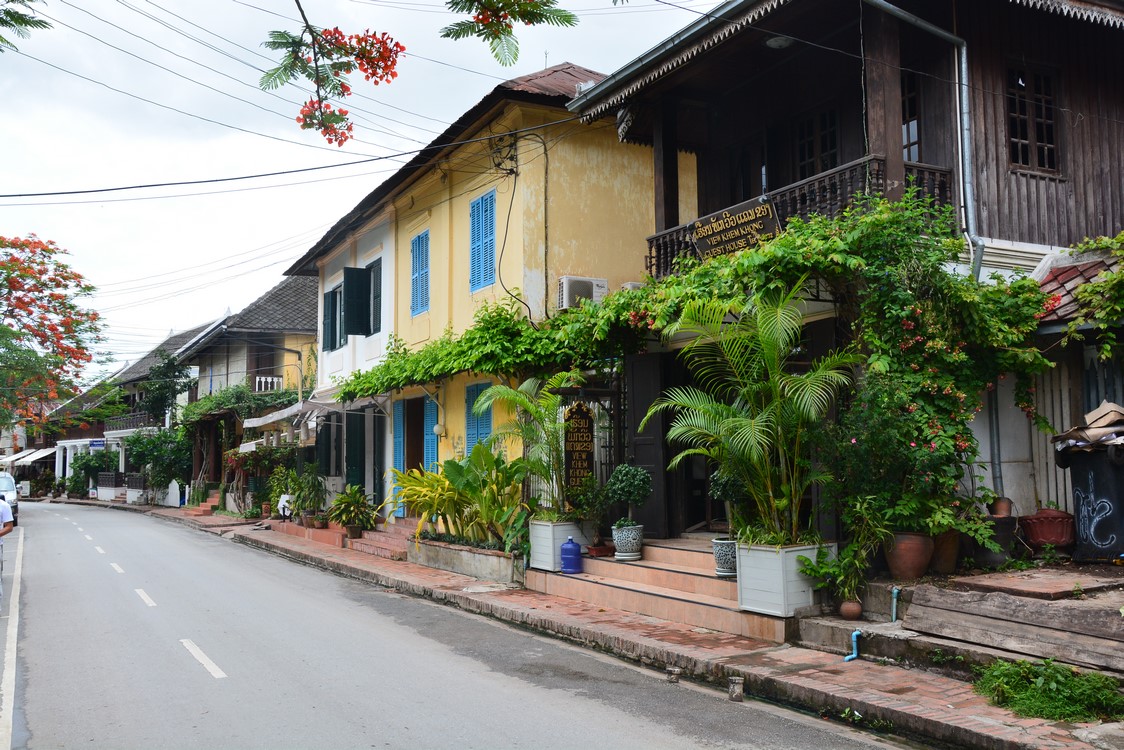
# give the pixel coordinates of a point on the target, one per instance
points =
(918, 704)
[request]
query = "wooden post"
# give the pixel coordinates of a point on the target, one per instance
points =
(884, 96)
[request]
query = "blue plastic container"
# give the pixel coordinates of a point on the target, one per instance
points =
(571, 556)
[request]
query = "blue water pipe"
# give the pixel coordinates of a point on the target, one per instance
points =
(894, 592)
(854, 646)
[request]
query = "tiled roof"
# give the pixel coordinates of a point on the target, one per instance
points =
(1063, 280)
(139, 370)
(289, 306)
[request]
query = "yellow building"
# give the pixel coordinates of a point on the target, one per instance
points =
(517, 199)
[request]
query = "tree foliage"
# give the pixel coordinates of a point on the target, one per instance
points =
(166, 380)
(326, 57)
(47, 336)
(164, 455)
(16, 16)
(1101, 302)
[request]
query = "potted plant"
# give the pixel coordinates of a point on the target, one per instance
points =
(725, 490)
(591, 503)
(1050, 525)
(753, 416)
(630, 486)
(282, 485)
(352, 510)
(845, 574)
(540, 428)
(311, 492)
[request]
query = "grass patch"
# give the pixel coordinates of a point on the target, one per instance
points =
(1048, 690)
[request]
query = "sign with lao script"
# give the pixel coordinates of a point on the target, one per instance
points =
(578, 444)
(736, 228)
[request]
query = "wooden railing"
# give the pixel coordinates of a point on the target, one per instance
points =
(132, 421)
(826, 194)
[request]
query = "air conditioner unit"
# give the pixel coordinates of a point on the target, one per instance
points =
(573, 289)
(632, 285)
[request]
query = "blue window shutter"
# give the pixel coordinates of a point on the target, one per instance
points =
(488, 239)
(484, 421)
(399, 418)
(423, 282)
(429, 452)
(482, 242)
(477, 428)
(419, 273)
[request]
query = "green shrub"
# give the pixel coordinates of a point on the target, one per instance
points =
(1048, 690)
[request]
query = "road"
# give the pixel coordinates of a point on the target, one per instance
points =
(134, 632)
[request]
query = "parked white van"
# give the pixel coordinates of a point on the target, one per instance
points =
(9, 490)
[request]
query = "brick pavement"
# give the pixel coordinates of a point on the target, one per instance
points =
(920, 704)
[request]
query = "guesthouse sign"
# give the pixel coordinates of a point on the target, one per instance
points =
(578, 444)
(736, 228)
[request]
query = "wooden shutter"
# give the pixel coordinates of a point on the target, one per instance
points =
(354, 443)
(429, 453)
(376, 295)
(328, 335)
(398, 418)
(478, 428)
(482, 242)
(419, 273)
(356, 302)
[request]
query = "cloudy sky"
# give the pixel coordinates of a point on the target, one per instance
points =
(124, 93)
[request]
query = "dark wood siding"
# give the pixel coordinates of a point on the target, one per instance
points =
(1086, 196)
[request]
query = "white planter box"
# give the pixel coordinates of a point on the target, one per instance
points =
(546, 542)
(769, 579)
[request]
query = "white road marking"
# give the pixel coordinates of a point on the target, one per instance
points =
(117, 567)
(145, 597)
(90, 538)
(203, 659)
(100, 550)
(81, 529)
(8, 684)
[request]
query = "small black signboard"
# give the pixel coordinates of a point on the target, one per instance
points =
(579, 444)
(736, 228)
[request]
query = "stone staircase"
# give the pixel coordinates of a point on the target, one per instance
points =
(205, 508)
(674, 581)
(391, 541)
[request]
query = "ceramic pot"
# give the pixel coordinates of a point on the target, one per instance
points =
(1001, 507)
(908, 555)
(353, 532)
(725, 557)
(851, 609)
(628, 540)
(946, 551)
(1048, 526)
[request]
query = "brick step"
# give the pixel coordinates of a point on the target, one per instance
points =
(400, 528)
(380, 545)
(334, 537)
(689, 580)
(202, 510)
(657, 601)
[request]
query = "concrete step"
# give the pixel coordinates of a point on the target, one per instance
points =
(400, 528)
(667, 575)
(685, 553)
(334, 537)
(380, 545)
(698, 610)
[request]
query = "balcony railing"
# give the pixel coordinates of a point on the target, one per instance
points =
(827, 194)
(264, 383)
(132, 421)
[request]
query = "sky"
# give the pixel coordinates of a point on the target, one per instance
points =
(126, 93)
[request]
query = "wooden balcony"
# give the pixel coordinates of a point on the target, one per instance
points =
(266, 383)
(827, 194)
(132, 421)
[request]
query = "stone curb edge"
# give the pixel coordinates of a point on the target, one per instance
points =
(799, 693)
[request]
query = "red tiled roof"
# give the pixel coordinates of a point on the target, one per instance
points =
(1063, 280)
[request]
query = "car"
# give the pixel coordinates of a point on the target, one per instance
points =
(9, 490)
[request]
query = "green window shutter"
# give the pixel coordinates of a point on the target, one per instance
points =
(324, 447)
(375, 275)
(354, 443)
(328, 335)
(356, 302)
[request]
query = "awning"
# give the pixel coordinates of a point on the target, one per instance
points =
(35, 456)
(21, 454)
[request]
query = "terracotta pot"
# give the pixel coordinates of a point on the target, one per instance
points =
(851, 609)
(601, 550)
(1048, 526)
(353, 532)
(946, 551)
(908, 554)
(1001, 507)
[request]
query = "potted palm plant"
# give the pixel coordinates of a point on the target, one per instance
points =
(311, 493)
(540, 427)
(353, 510)
(752, 415)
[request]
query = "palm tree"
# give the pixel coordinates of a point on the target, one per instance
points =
(539, 424)
(752, 412)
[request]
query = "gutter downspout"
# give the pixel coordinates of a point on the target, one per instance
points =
(969, 189)
(965, 123)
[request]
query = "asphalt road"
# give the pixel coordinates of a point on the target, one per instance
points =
(139, 633)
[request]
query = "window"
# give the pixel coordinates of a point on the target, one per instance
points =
(477, 429)
(419, 273)
(817, 144)
(375, 270)
(333, 333)
(1032, 135)
(911, 117)
(482, 242)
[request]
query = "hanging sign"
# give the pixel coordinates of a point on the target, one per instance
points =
(736, 228)
(578, 444)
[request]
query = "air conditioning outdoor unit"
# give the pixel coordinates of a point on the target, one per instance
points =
(632, 285)
(573, 289)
